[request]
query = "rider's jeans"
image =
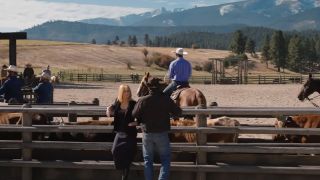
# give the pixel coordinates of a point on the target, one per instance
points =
(170, 88)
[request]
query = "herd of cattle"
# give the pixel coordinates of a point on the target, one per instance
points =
(302, 121)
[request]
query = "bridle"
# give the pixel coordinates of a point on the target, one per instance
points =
(310, 100)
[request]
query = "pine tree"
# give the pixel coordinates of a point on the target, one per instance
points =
(278, 50)
(317, 48)
(146, 40)
(265, 50)
(295, 54)
(129, 41)
(250, 46)
(238, 43)
(134, 40)
(93, 41)
(309, 53)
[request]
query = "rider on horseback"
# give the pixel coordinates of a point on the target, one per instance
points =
(179, 72)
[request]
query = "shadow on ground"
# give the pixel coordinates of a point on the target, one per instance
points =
(77, 86)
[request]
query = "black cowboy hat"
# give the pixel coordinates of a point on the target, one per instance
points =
(153, 82)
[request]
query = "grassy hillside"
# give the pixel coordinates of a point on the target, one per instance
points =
(105, 58)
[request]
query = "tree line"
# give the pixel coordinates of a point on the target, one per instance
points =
(296, 51)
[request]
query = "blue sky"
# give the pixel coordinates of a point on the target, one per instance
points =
(17, 15)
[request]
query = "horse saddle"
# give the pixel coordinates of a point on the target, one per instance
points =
(175, 95)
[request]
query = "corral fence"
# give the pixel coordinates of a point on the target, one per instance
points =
(210, 160)
(136, 78)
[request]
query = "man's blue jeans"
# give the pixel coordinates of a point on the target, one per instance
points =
(156, 142)
(170, 88)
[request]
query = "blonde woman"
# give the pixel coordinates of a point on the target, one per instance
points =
(125, 142)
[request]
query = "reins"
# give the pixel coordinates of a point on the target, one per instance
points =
(310, 100)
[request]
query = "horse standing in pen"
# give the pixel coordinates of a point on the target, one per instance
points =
(186, 97)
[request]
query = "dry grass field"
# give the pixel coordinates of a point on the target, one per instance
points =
(105, 58)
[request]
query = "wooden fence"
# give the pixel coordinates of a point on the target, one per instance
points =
(136, 78)
(213, 160)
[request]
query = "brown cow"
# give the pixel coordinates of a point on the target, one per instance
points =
(301, 121)
(10, 118)
(92, 137)
(16, 118)
(214, 137)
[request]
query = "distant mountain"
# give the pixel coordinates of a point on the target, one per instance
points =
(249, 12)
(302, 21)
(82, 32)
(129, 19)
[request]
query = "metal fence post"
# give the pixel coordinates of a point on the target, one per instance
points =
(26, 138)
(201, 120)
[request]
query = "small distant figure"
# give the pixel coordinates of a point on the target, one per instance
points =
(48, 71)
(4, 71)
(44, 90)
(28, 74)
(11, 88)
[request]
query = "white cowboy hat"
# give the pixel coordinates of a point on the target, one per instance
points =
(12, 68)
(180, 51)
(45, 75)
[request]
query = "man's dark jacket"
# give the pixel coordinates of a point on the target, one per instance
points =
(154, 111)
(11, 88)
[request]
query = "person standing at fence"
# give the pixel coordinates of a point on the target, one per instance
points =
(11, 88)
(44, 90)
(125, 142)
(47, 70)
(153, 113)
(179, 72)
(28, 73)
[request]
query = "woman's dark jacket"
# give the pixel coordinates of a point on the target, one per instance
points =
(121, 124)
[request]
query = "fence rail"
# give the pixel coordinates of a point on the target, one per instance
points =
(202, 166)
(135, 78)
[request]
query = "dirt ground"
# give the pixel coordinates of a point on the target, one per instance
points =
(284, 95)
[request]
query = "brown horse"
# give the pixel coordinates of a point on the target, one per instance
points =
(187, 97)
(311, 86)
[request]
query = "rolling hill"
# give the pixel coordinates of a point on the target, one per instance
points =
(106, 58)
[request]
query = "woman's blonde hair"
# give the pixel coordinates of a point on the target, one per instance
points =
(122, 89)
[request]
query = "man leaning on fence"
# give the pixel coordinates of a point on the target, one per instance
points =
(11, 88)
(153, 113)
(44, 90)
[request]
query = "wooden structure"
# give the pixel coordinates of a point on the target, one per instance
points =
(217, 71)
(213, 160)
(243, 71)
(12, 37)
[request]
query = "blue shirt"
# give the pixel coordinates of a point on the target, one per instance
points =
(180, 70)
(44, 90)
(11, 88)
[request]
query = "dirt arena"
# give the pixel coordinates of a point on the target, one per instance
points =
(225, 95)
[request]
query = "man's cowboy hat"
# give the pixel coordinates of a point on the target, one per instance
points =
(12, 68)
(45, 75)
(180, 51)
